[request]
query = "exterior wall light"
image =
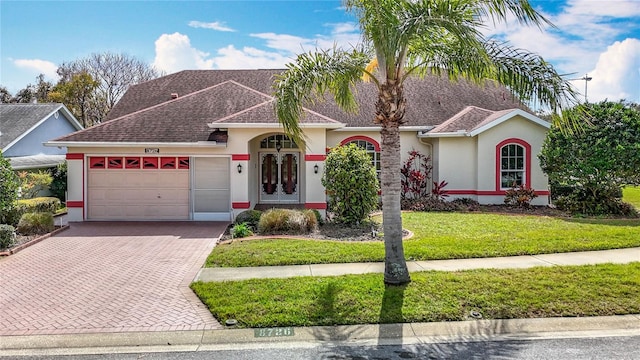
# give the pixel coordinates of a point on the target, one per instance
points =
(315, 168)
(239, 168)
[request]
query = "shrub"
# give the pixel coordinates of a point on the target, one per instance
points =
(40, 204)
(31, 183)
(466, 203)
(438, 190)
(58, 186)
(250, 217)
(519, 195)
(7, 236)
(36, 223)
(429, 204)
(577, 203)
(241, 230)
(415, 176)
(8, 189)
(351, 184)
(279, 221)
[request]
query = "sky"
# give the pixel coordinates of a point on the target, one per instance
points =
(600, 38)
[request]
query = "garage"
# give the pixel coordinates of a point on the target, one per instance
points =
(138, 188)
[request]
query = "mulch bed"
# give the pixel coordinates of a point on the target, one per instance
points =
(24, 241)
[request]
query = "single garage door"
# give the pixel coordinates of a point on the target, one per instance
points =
(138, 188)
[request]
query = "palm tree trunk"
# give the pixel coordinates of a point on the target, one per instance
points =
(389, 112)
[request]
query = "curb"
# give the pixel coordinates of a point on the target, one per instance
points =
(376, 334)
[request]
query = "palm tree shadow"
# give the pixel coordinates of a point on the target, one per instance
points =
(391, 318)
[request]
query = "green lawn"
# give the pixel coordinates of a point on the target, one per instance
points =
(595, 290)
(632, 196)
(444, 236)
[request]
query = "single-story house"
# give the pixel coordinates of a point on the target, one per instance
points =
(24, 128)
(207, 145)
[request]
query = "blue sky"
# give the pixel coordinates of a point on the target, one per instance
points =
(598, 37)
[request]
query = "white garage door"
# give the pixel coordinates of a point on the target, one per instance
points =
(138, 188)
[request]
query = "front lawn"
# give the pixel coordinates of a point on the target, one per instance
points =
(444, 236)
(631, 195)
(594, 290)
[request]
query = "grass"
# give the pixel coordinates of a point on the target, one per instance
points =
(594, 290)
(444, 236)
(631, 195)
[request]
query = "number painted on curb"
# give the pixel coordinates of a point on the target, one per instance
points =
(273, 332)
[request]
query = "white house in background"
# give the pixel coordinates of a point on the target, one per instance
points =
(24, 128)
(206, 145)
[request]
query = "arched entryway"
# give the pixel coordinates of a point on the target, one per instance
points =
(279, 167)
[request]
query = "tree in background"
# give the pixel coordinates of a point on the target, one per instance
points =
(114, 73)
(76, 94)
(587, 169)
(404, 37)
(351, 184)
(5, 95)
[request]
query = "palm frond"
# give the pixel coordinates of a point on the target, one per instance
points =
(310, 77)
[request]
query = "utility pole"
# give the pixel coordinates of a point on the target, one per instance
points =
(586, 79)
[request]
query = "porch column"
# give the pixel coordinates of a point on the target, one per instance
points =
(75, 186)
(240, 183)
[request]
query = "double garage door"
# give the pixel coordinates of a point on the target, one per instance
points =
(157, 188)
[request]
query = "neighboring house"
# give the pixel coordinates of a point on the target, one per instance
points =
(206, 145)
(25, 127)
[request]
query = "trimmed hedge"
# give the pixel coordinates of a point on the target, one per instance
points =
(35, 205)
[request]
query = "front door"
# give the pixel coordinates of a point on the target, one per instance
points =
(279, 174)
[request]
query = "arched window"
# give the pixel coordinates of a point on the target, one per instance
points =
(371, 146)
(278, 142)
(512, 171)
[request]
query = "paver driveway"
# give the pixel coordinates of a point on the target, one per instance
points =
(108, 277)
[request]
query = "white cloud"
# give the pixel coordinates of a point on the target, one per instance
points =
(617, 73)
(174, 53)
(216, 25)
(38, 67)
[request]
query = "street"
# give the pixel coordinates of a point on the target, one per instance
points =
(619, 348)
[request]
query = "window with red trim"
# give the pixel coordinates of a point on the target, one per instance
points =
(183, 163)
(132, 163)
(114, 162)
(167, 163)
(371, 149)
(512, 166)
(150, 163)
(97, 162)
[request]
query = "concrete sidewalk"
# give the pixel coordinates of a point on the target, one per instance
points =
(617, 256)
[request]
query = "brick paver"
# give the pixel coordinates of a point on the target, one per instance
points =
(108, 277)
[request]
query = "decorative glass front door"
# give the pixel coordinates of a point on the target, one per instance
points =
(279, 177)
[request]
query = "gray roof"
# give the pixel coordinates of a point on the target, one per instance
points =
(36, 161)
(150, 111)
(16, 119)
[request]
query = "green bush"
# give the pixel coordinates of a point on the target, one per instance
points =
(351, 184)
(31, 183)
(281, 221)
(36, 223)
(577, 203)
(58, 186)
(40, 204)
(241, 230)
(7, 236)
(250, 217)
(8, 190)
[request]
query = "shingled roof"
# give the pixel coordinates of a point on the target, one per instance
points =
(17, 119)
(179, 107)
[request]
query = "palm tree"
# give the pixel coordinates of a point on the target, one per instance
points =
(421, 37)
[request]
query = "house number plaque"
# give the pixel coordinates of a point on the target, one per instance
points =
(273, 332)
(151, 151)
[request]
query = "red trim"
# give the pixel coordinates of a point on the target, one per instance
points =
(376, 145)
(75, 204)
(150, 162)
(75, 156)
(240, 157)
(97, 162)
(132, 162)
(167, 163)
(314, 157)
(527, 166)
(183, 162)
(489, 192)
(114, 162)
(318, 206)
(241, 205)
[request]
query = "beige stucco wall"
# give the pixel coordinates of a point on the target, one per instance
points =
(519, 128)
(457, 162)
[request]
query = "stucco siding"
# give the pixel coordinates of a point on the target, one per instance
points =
(457, 163)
